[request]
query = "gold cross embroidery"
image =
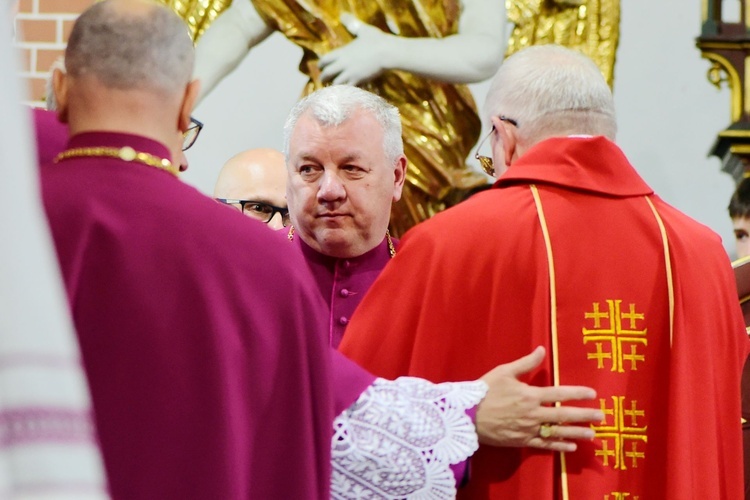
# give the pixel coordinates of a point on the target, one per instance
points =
(611, 339)
(617, 495)
(619, 428)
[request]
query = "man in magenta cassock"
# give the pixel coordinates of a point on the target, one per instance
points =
(192, 398)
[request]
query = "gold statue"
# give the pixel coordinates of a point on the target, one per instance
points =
(589, 26)
(417, 54)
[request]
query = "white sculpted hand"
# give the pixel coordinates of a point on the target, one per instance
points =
(360, 60)
(512, 413)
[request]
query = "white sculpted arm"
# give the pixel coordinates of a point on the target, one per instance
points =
(226, 43)
(399, 439)
(471, 55)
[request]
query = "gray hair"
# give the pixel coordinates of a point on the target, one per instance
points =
(331, 106)
(551, 90)
(128, 50)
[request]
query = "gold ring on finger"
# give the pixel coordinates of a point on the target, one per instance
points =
(545, 431)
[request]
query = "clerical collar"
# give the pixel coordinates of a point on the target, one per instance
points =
(385, 245)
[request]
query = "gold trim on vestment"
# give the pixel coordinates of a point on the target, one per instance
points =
(553, 322)
(564, 488)
(668, 263)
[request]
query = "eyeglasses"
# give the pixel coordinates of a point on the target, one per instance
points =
(485, 161)
(191, 134)
(263, 212)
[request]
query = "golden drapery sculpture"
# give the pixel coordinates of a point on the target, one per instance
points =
(589, 26)
(440, 121)
(198, 14)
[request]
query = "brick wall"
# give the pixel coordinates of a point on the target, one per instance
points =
(43, 27)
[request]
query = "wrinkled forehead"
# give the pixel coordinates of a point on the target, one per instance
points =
(358, 137)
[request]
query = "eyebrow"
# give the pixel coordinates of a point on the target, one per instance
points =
(314, 158)
(263, 199)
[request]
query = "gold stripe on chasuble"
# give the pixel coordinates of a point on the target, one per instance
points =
(668, 264)
(553, 322)
(626, 428)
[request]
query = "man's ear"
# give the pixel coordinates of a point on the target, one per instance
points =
(60, 89)
(188, 102)
(399, 177)
(508, 139)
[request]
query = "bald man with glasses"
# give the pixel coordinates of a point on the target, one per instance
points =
(254, 182)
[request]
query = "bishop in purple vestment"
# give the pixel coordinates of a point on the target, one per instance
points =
(203, 384)
(346, 167)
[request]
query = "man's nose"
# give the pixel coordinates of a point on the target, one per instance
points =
(331, 188)
(276, 221)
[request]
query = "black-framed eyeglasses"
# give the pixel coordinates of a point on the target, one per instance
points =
(191, 134)
(259, 210)
(485, 161)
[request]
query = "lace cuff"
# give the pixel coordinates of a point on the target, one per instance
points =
(400, 438)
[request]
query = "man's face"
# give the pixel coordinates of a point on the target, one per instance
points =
(257, 175)
(341, 185)
(741, 227)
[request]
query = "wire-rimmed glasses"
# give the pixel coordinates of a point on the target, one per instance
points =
(191, 134)
(485, 161)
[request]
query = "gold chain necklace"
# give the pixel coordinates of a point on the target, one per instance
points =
(125, 153)
(391, 248)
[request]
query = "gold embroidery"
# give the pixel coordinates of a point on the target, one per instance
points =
(624, 434)
(617, 495)
(619, 332)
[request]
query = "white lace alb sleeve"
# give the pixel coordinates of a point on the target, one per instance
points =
(399, 439)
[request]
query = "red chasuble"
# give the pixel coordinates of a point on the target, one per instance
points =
(208, 363)
(572, 250)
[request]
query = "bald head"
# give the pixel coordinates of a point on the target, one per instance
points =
(129, 66)
(551, 90)
(257, 175)
(128, 44)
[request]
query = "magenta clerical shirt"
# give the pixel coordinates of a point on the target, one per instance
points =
(344, 282)
(208, 376)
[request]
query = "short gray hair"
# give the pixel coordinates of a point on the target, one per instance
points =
(127, 50)
(331, 106)
(552, 90)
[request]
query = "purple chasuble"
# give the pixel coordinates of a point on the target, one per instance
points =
(208, 376)
(344, 282)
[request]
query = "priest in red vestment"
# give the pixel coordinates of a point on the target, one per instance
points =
(573, 251)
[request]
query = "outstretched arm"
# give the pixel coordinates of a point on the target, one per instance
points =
(408, 436)
(512, 413)
(226, 43)
(471, 55)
